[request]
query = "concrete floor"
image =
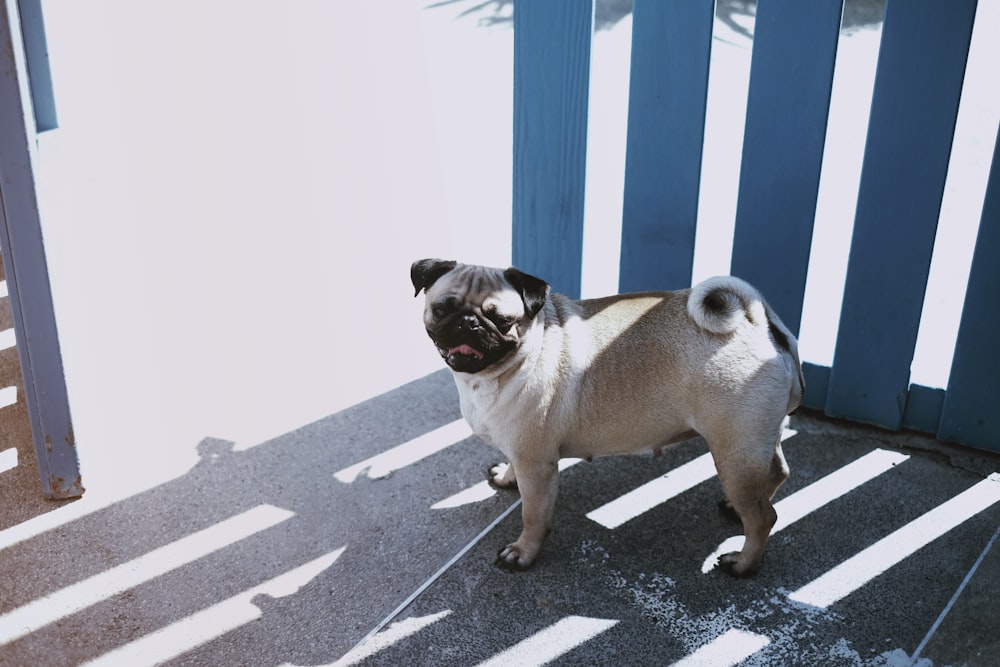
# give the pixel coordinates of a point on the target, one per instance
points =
(231, 205)
(295, 550)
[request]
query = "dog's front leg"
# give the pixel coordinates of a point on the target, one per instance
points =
(539, 485)
(501, 476)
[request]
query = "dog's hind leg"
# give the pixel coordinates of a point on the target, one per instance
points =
(750, 477)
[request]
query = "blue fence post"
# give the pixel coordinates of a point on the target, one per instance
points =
(27, 274)
(791, 75)
(971, 404)
(918, 82)
(36, 54)
(668, 89)
(551, 89)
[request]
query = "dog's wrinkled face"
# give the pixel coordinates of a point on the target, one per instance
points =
(474, 314)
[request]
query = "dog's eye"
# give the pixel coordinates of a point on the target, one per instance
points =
(502, 322)
(443, 308)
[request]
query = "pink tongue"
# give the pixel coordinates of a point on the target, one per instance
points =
(466, 350)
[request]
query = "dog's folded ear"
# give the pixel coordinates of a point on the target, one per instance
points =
(534, 291)
(425, 272)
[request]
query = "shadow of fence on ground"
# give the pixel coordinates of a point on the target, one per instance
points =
(292, 551)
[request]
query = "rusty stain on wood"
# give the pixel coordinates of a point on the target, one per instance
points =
(61, 490)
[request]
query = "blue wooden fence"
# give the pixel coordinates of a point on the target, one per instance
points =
(921, 67)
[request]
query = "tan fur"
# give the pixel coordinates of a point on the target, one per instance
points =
(629, 373)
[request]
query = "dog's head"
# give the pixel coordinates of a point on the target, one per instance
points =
(476, 315)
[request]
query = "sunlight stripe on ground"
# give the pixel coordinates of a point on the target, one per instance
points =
(663, 488)
(836, 484)
(858, 570)
(649, 495)
(483, 491)
(729, 649)
(59, 517)
(816, 495)
(39, 613)
(8, 396)
(474, 494)
(8, 339)
(396, 632)
(203, 626)
(407, 453)
(551, 643)
(8, 459)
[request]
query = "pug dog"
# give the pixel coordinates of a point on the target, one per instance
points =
(543, 377)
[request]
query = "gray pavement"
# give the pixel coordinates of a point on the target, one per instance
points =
(353, 515)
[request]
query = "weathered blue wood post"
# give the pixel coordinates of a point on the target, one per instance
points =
(971, 404)
(918, 82)
(36, 54)
(551, 88)
(668, 90)
(27, 272)
(791, 76)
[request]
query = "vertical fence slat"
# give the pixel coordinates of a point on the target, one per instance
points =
(37, 58)
(27, 274)
(668, 88)
(972, 401)
(918, 82)
(791, 75)
(551, 88)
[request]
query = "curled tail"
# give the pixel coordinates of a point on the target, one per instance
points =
(723, 303)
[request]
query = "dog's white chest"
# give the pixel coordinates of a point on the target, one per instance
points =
(476, 399)
(487, 408)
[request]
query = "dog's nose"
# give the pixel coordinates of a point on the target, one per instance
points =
(469, 322)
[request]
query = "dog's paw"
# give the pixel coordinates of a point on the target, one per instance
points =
(501, 476)
(512, 557)
(732, 564)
